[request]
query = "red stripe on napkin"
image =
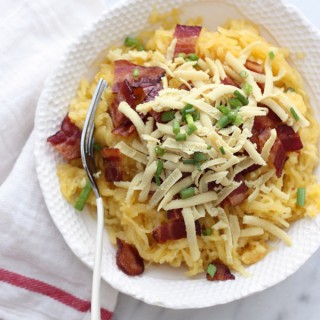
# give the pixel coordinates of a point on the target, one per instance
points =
(49, 291)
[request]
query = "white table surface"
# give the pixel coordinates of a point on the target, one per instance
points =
(296, 298)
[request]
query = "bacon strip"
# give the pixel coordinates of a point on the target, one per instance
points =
(145, 87)
(186, 38)
(128, 259)
(112, 160)
(240, 194)
(173, 230)
(223, 273)
(147, 76)
(67, 139)
(175, 214)
(287, 140)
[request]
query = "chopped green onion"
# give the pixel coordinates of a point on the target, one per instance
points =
(235, 103)
(294, 114)
(83, 197)
(191, 130)
(158, 172)
(290, 89)
(131, 42)
(176, 126)
(238, 121)
(272, 55)
(247, 88)
(196, 115)
(223, 109)
(222, 150)
(193, 57)
(188, 161)
(140, 47)
(97, 147)
(197, 164)
(223, 122)
(136, 73)
(241, 97)
(212, 269)
(159, 151)
(192, 127)
(207, 232)
(243, 74)
(167, 116)
(188, 109)
(200, 157)
(159, 167)
(187, 193)
(181, 137)
(209, 147)
(232, 116)
(182, 55)
(301, 197)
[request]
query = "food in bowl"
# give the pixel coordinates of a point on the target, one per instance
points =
(206, 145)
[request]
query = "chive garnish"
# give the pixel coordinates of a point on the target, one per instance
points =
(222, 150)
(241, 97)
(182, 55)
(207, 232)
(181, 137)
(294, 114)
(167, 116)
(192, 127)
(159, 151)
(223, 122)
(193, 57)
(83, 197)
(158, 171)
(200, 157)
(188, 161)
(133, 43)
(187, 193)
(211, 270)
(301, 197)
(176, 126)
(271, 55)
(235, 103)
(224, 109)
(247, 88)
(136, 73)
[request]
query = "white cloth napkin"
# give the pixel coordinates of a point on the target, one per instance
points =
(40, 278)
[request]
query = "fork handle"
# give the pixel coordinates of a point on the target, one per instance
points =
(96, 279)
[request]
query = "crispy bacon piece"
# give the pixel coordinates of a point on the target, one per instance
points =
(287, 140)
(128, 259)
(186, 38)
(278, 156)
(228, 81)
(134, 90)
(67, 139)
(147, 76)
(240, 194)
(112, 160)
(290, 139)
(173, 230)
(175, 214)
(223, 272)
(254, 66)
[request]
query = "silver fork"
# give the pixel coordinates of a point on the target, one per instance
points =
(87, 157)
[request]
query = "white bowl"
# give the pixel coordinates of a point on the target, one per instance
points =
(161, 285)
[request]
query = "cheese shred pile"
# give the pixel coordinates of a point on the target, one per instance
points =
(238, 235)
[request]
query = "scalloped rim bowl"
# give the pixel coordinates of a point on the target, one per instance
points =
(159, 285)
